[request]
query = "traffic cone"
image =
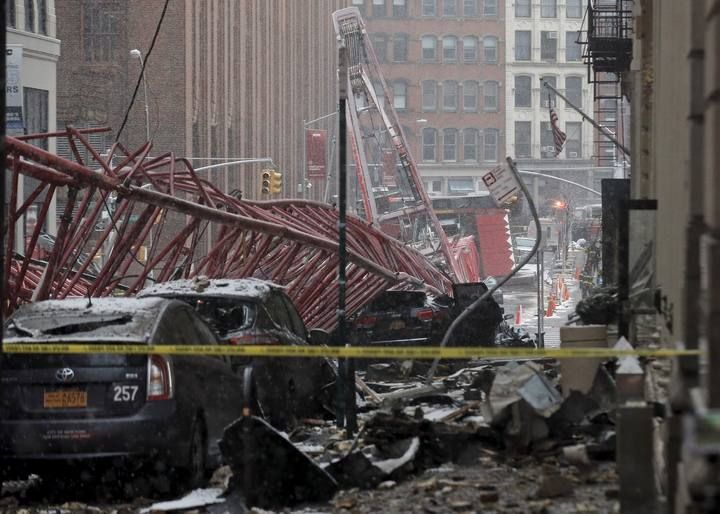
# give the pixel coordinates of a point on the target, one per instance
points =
(565, 293)
(518, 315)
(551, 306)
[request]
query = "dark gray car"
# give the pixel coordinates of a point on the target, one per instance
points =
(69, 407)
(250, 311)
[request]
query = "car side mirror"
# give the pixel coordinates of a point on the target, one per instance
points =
(319, 337)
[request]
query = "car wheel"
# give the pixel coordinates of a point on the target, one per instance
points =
(197, 456)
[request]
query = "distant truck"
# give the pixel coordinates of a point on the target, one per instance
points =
(550, 233)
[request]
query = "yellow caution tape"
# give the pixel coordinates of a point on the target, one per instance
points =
(358, 352)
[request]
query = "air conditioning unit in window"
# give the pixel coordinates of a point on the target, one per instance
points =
(548, 149)
(552, 35)
(572, 155)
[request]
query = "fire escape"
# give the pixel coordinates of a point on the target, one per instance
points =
(608, 53)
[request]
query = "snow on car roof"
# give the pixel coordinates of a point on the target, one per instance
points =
(218, 287)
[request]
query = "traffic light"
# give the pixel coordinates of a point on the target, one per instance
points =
(266, 174)
(276, 182)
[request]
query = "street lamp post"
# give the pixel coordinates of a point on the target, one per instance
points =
(138, 55)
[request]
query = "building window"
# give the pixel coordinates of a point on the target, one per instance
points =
(429, 139)
(379, 92)
(490, 8)
(360, 4)
(522, 45)
(379, 9)
(470, 95)
(572, 47)
(399, 94)
(470, 44)
(490, 145)
(548, 45)
(399, 8)
(573, 8)
(490, 47)
(548, 97)
(429, 43)
(547, 141)
(522, 9)
(449, 49)
(35, 110)
(379, 43)
(450, 145)
(573, 144)
(29, 15)
(573, 91)
(470, 8)
(450, 96)
(490, 95)
(435, 186)
(10, 13)
(523, 139)
(400, 47)
(100, 30)
(429, 95)
(548, 8)
(449, 7)
(470, 142)
(461, 186)
(428, 7)
(42, 16)
(523, 91)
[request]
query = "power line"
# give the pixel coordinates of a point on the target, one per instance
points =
(142, 71)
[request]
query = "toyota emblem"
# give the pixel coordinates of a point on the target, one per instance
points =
(65, 375)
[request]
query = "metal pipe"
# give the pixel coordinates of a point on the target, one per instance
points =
(489, 292)
(566, 181)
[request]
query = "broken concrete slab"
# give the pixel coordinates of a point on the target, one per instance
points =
(269, 469)
(522, 382)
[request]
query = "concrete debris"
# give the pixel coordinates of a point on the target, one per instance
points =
(554, 485)
(269, 469)
(194, 499)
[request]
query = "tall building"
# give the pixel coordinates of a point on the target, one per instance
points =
(444, 61)
(542, 41)
(225, 80)
(32, 53)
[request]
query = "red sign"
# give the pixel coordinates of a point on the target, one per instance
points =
(315, 152)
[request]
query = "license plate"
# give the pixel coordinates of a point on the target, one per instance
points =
(397, 324)
(64, 399)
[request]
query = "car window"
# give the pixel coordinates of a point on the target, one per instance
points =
(177, 327)
(296, 321)
(277, 310)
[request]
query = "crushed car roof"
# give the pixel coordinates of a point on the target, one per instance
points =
(248, 288)
(80, 318)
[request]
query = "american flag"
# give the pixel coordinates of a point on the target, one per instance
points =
(559, 136)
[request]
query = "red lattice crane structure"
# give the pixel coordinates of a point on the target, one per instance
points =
(130, 219)
(388, 185)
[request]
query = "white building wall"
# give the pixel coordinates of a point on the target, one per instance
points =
(537, 68)
(40, 56)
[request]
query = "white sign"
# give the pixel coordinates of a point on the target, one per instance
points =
(502, 185)
(13, 90)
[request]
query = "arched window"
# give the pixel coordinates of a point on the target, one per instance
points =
(490, 94)
(490, 46)
(399, 88)
(429, 95)
(450, 144)
(470, 44)
(379, 43)
(449, 49)
(490, 145)
(450, 96)
(429, 139)
(429, 46)
(470, 145)
(470, 95)
(400, 47)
